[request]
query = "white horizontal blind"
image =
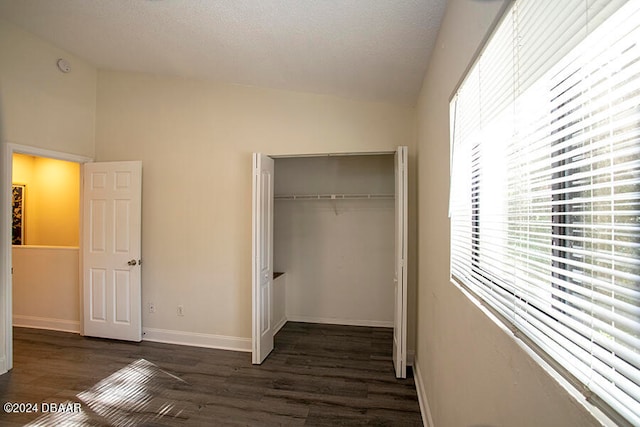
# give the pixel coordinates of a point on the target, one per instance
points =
(545, 189)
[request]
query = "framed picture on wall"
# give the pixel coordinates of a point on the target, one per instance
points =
(17, 207)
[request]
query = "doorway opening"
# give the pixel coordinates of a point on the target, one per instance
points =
(6, 241)
(333, 239)
(335, 227)
(45, 243)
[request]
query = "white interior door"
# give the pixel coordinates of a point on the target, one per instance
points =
(262, 257)
(112, 206)
(400, 278)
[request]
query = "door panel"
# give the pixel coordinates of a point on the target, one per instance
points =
(98, 225)
(122, 300)
(400, 277)
(98, 297)
(112, 200)
(122, 226)
(262, 257)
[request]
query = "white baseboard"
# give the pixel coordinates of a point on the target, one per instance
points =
(3, 365)
(334, 321)
(46, 323)
(279, 325)
(427, 420)
(194, 339)
(149, 334)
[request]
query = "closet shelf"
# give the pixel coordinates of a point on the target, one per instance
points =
(332, 196)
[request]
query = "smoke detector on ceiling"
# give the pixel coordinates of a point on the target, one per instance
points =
(63, 65)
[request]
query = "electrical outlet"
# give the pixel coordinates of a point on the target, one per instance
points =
(152, 308)
(181, 310)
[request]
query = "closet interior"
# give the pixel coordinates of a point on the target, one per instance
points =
(334, 240)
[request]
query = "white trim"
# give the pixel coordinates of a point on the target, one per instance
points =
(346, 154)
(46, 323)
(425, 410)
(336, 321)
(279, 325)
(43, 152)
(195, 339)
(6, 301)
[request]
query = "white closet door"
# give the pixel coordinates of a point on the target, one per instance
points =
(262, 257)
(112, 206)
(400, 278)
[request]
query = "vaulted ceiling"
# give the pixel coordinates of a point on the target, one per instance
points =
(365, 49)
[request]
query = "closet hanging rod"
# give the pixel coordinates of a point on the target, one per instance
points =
(332, 196)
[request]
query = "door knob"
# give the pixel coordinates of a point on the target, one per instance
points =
(132, 262)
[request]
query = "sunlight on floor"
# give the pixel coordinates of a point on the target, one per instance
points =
(134, 395)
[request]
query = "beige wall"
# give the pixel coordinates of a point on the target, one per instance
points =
(474, 373)
(52, 199)
(39, 105)
(45, 288)
(195, 141)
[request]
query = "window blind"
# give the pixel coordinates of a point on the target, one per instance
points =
(545, 188)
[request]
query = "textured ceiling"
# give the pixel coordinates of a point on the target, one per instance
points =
(365, 49)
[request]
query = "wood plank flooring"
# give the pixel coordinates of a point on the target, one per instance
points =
(317, 375)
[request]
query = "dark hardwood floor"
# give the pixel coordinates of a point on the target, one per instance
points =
(320, 375)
